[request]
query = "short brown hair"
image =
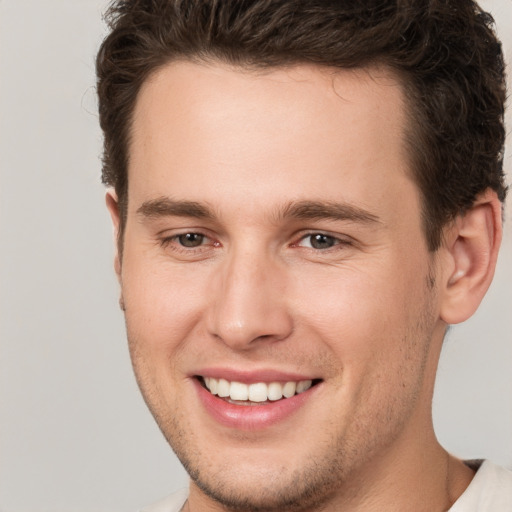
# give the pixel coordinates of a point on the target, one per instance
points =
(444, 51)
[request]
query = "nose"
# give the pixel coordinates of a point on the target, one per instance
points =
(248, 302)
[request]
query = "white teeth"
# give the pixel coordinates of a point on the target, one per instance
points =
(238, 391)
(223, 387)
(213, 385)
(289, 389)
(303, 385)
(257, 392)
(275, 391)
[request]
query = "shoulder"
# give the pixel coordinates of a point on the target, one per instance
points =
(172, 503)
(490, 489)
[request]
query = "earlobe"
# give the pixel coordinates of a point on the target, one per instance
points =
(470, 248)
(113, 208)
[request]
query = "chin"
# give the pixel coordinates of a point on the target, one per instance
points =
(270, 491)
(261, 483)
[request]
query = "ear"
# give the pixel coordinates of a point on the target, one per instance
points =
(113, 208)
(469, 253)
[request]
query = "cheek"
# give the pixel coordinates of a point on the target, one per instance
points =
(163, 305)
(349, 297)
(161, 313)
(363, 312)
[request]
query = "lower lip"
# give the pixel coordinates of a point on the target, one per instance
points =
(251, 417)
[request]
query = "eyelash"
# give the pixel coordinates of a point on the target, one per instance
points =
(174, 242)
(336, 241)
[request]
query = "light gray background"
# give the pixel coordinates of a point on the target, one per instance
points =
(74, 432)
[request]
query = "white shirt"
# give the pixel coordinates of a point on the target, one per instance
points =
(489, 491)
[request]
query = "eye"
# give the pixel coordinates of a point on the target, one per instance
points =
(324, 244)
(188, 245)
(319, 241)
(190, 240)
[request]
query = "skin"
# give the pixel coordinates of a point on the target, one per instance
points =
(366, 315)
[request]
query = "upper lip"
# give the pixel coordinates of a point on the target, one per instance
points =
(252, 376)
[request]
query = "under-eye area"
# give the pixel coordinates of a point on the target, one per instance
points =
(257, 393)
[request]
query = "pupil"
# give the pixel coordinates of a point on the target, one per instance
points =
(191, 239)
(321, 241)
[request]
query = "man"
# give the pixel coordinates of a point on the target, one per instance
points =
(306, 194)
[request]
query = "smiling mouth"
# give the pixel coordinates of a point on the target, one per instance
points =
(259, 393)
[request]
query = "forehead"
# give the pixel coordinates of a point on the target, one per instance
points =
(310, 131)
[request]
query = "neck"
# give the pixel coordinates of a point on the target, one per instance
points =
(428, 480)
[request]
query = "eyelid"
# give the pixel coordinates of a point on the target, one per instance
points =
(171, 242)
(339, 239)
(169, 239)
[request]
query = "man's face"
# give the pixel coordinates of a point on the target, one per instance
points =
(274, 236)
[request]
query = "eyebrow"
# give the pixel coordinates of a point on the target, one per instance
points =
(298, 210)
(320, 210)
(166, 207)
